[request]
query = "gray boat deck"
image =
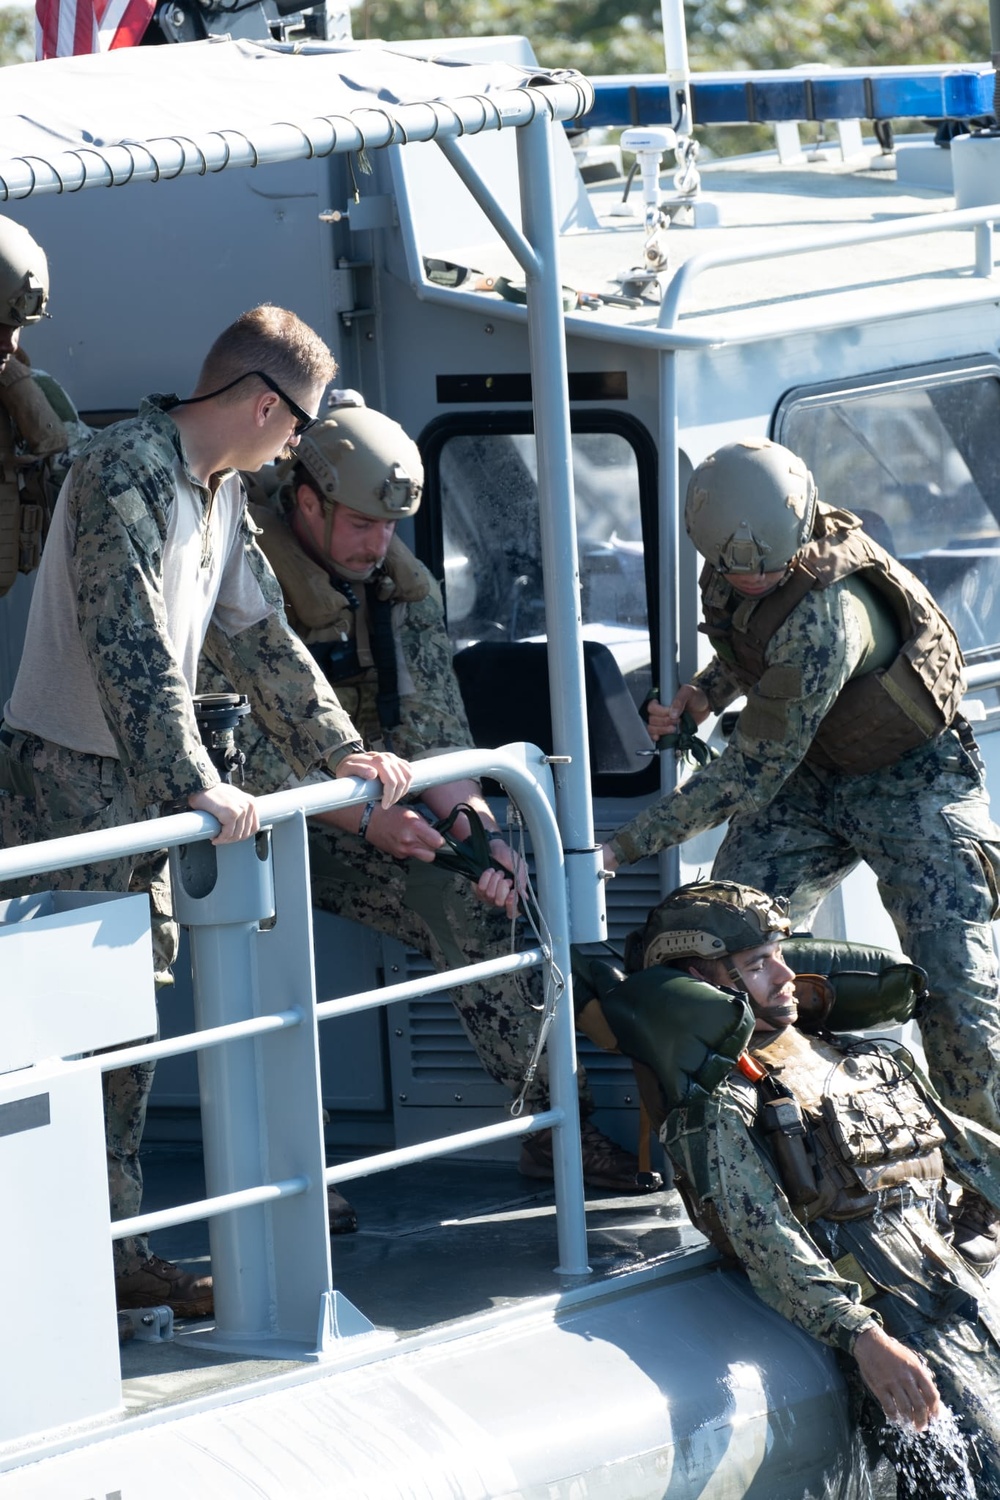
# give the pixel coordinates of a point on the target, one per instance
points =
(438, 1243)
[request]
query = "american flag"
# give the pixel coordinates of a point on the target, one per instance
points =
(67, 27)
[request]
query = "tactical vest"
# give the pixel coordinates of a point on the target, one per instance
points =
(29, 423)
(867, 1127)
(858, 1126)
(354, 646)
(885, 709)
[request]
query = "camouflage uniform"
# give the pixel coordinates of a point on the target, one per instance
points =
(833, 1279)
(419, 904)
(796, 830)
(116, 509)
(40, 435)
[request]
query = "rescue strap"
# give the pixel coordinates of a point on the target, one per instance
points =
(685, 742)
(470, 857)
(384, 656)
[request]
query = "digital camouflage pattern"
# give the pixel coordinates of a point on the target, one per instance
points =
(47, 791)
(428, 909)
(122, 495)
(432, 715)
(439, 915)
(796, 831)
(832, 1279)
(924, 827)
(810, 658)
(40, 434)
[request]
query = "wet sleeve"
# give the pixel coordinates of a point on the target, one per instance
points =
(786, 1268)
(117, 559)
(809, 660)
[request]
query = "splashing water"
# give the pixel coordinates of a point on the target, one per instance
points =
(932, 1462)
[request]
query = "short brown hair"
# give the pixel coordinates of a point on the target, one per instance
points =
(271, 339)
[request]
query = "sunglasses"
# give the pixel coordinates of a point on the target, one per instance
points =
(303, 421)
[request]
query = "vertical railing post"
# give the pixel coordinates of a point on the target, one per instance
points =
(534, 795)
(557, 521)
(271, 1262)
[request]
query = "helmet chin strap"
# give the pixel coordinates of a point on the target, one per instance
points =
(734, 973)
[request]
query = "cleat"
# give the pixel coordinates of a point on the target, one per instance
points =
(605, 1163)
(126, 1329)
(159, 1283)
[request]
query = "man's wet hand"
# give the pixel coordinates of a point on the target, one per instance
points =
(898, 1379)
(235, 810)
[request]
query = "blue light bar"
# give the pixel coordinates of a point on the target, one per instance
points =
(767, 97)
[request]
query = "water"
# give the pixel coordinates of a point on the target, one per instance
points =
(933, 1462)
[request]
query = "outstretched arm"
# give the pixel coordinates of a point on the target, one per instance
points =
(898, 1379)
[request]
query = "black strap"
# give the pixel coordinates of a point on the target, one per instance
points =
(384, 656)
(469, 857)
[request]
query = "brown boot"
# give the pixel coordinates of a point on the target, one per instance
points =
(977, 1232)
(343, 1219)
(605, 1163)
(159, 1283)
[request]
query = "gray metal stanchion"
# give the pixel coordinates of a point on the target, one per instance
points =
(260, 1099)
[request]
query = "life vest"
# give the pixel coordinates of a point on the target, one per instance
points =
(29, 429)
(908, 686)
(350, 628)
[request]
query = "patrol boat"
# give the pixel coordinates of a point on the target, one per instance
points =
(565, 348)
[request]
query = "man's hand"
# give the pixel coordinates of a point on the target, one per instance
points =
(234, 808)
(608, 857)
(898, 1379)
(665, 720)
(378, 765)
(402, 832)
(497, 889)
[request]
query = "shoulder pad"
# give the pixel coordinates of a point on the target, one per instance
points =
(687, 1031)
(867, 986)
(412, 582)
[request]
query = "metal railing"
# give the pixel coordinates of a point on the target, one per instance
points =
(248, 910)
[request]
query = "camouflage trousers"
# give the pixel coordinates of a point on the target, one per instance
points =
(924, 827)
(439, 915)
(46, 792)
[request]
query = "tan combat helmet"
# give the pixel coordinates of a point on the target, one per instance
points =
(364, 460)
(750, 507)
(711, 919)
(24, 276)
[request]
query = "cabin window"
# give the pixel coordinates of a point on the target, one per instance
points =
(481, 532)
(917, 456)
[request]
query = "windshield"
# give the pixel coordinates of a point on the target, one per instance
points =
(919, 461)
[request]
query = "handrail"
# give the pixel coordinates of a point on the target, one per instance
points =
(254, 1256)
(897, 229)
(981, 674)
